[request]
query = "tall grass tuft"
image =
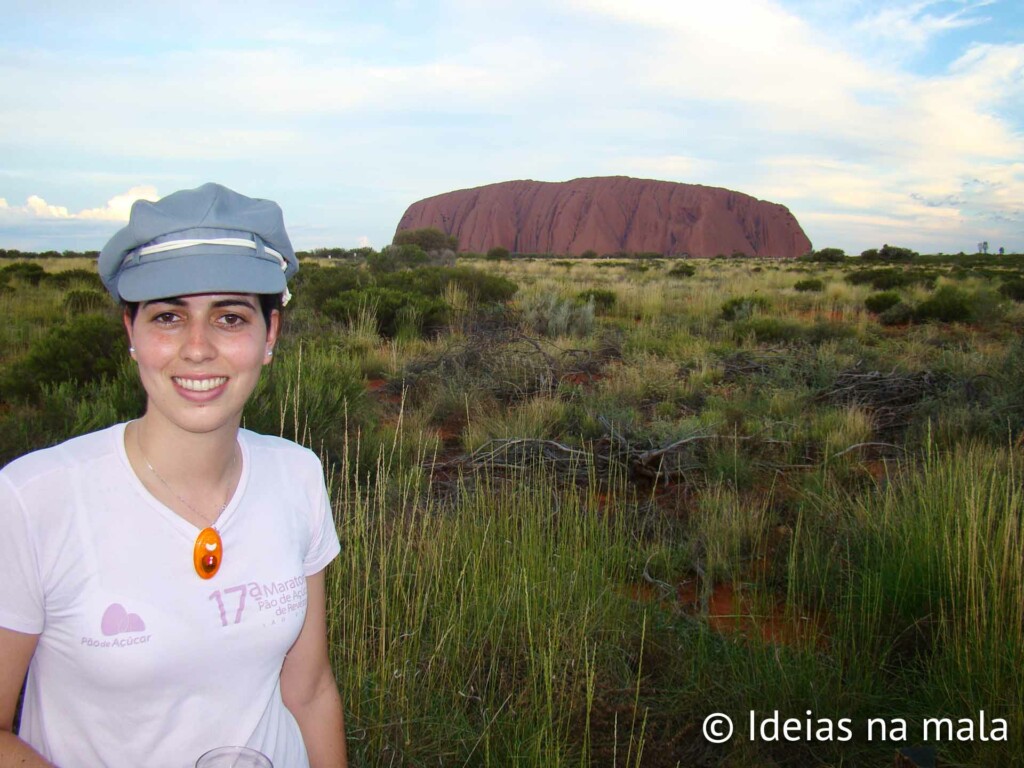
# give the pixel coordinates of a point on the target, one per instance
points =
(468, 631)
(926, 582)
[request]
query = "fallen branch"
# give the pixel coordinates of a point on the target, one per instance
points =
(867, 445)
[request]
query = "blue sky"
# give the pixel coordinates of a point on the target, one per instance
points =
(873, 121)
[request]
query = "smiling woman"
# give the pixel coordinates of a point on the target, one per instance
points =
(172, 569)
(200, 356)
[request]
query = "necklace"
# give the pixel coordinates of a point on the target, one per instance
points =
(208, 550)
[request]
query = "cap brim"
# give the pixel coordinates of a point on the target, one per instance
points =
(199, 273)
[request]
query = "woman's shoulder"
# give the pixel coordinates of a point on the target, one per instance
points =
(281, 449)
(67, 456)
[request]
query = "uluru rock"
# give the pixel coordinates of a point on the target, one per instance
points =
(610, 214)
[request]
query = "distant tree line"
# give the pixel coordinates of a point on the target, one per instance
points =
(892, 254)
(14, 253)
(346, 254)
(431, 245)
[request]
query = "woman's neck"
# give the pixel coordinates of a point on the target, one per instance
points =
(193, 474)
(189, 458)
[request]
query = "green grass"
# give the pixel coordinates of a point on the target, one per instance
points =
(923, 583)
(470, 629)
(855, 485)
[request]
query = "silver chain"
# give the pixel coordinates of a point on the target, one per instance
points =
(167, 485)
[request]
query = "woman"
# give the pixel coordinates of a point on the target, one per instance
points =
(163, 579)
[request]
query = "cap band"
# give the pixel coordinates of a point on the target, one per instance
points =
(241, 242)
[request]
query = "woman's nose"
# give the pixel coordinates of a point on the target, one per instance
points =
(198, 345)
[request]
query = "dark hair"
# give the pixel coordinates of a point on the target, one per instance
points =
(268, 303)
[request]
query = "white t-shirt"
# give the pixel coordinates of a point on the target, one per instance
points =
(139, 661)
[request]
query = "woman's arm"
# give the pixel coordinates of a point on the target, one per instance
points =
(308, 686)
(16, 649)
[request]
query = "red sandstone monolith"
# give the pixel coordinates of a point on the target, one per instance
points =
(611, 214)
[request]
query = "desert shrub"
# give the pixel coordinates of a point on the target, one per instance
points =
(603, 298)
(1013, 289)
(986, 304)
(548, 314)
(682, 270)
(394, 309)
(480, 287)
(85, 278)
(887, 279)
(395, 257)
(960, 273)
(314, 286)
(811, 284)
(828, 330)
(825, 256)
(742, 307)
(427, 238)
(894, 253)
(879, 302)
(861, 276)
(25, 270)
(79, 300)
(497, 253)
(307, 395)
(590, 253)
(880, 279)
(897, 314)
(948, 304)
(409, 300)
(770, 329)
(889, 253)
(67, 408)
(84, 349)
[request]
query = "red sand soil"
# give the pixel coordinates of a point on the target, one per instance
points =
(449, 432)
(733, 612)
(378, 386)
(582, 377)
(877, 469)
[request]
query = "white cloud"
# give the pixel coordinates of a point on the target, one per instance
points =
(38, 207)
(898, 134)
(764, 96)
(119, 207)
(116, 209)
(912, 24)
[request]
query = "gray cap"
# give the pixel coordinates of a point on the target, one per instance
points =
(204, 240)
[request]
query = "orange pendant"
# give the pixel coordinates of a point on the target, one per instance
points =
(207, 553)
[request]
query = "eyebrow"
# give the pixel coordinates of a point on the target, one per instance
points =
(178, 302)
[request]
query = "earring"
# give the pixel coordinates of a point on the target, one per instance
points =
(131, 350)
(270, 353)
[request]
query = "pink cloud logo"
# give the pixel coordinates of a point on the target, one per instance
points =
(117, 620)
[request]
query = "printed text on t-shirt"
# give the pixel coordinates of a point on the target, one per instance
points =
(279, 597)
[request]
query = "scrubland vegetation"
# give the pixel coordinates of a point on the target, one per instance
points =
(586, 503)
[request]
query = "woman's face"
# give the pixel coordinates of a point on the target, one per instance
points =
(200, 356)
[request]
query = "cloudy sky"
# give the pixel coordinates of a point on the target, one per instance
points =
(874, 121)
